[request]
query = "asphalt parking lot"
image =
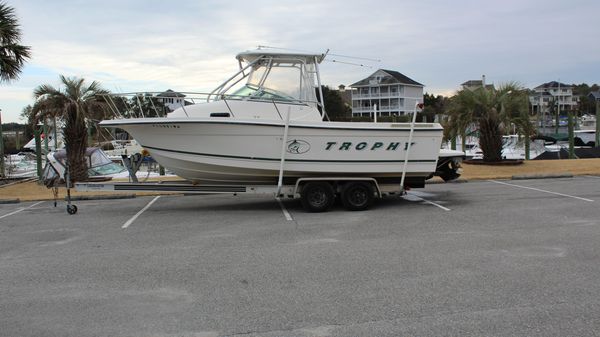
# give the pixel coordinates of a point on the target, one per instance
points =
(488, 258)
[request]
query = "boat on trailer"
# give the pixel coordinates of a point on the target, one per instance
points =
(265, 126)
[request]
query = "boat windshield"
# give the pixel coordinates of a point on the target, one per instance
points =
(106, 169)
(100, 165)
(280, 80)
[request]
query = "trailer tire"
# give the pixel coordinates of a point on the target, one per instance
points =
(357, 196)
(71, 209)
(317, 196)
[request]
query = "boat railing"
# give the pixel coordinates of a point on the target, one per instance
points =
(159, 104)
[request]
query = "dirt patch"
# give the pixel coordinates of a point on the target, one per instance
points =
(530, 167)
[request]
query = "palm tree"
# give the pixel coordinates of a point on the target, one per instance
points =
(521, 119)
(75, 103)
(12, 54)
(492, 110)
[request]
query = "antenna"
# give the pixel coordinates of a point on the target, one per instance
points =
(349, 63)
(356, 58)
(327, 53)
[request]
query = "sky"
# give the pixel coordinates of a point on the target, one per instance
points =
(148, 45)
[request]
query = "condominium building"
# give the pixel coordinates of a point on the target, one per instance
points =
(172, 99)
(392, 92)
(553, 93)
(476, 84)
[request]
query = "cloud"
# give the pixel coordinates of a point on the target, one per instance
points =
(190, 45)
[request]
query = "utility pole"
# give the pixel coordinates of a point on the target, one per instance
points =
(527, 129)
(557, 121)
(1, 148)
(597, 144)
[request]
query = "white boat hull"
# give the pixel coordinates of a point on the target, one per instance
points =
(236, 151)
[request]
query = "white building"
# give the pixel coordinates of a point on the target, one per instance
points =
(392, 92)
(476, 84)
(553, 93)
(171, 99)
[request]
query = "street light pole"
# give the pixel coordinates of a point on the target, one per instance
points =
(1, 148)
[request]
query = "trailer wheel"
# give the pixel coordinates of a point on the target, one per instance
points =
(357, 196)
(71, 209)
(317, 196)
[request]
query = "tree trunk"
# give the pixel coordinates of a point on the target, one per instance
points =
(76, 144)
(490, 139)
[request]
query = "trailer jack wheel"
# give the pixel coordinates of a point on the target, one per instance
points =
(317, 196)
(71, 209)
(357, 196)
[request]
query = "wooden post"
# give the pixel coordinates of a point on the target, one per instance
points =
(38, 152)
(557, 119)
(55, 134)
(46, 136)
(571, 136)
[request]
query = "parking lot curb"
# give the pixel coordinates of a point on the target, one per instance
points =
(10, 201)
(102, 197)
(542, 176)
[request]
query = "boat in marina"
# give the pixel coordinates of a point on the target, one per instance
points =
(100, 168)
(20, 165)
(266, 123)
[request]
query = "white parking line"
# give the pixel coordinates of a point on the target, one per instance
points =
(540, 190)
(410, 195)
(589, 176)
(20, 210)
(285, 212)
(130, 221)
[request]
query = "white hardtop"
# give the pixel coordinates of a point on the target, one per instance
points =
(270, 85)
(252, 55)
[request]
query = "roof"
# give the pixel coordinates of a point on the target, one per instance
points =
(170, 93)
(473, 83)
(395, 77)
(594, 95)
(252, 55)
(477, 83)
(553, 84)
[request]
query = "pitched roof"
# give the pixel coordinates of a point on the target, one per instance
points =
(170, 93)
(477, 83)
(473, 83)
(395, 77)
(595, 95)
(553, 84)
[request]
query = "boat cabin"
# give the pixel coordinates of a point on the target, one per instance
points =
(267, 86)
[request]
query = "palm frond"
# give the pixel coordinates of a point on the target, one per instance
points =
(12, 54)
(46, 90)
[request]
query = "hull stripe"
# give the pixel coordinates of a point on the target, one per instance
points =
(125, 123)
(288, 159)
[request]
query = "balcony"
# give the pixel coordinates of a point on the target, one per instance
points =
(383, 108)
